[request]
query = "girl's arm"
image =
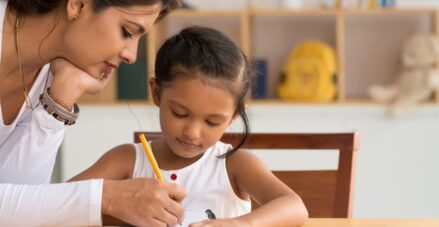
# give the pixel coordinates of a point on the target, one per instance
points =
(116, 164)
(280, 205)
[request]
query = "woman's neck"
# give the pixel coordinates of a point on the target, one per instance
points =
(37, 42)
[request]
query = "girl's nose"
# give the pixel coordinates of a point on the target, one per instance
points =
(191, 131)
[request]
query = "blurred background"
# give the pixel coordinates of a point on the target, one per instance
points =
(357, 44)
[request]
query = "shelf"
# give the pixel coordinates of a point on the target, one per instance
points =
(252, 102)
(205, 13)
(368, 43)
(298, 12)
(291, 12)
(387, 11)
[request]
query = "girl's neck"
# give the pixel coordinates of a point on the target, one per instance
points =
(167, 159)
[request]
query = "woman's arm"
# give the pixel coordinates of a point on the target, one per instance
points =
(280, 206)
(70, 83)
(72, 204)
(140, 201)
(28, 155)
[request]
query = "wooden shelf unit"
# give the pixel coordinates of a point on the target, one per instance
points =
(368, 43)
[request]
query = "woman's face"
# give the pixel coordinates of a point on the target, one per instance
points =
(98, 42)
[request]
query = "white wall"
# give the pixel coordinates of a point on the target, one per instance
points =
(397, 165)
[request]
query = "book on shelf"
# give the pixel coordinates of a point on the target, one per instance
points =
(132, 78)
(132, 81)
(259, 90)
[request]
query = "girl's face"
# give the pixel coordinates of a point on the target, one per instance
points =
(98, 42)
(193, 115)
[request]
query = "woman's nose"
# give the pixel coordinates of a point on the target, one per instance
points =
(129, 53)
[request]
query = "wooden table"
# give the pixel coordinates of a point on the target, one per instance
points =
(353, 222)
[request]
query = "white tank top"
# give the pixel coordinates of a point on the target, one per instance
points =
(206, 182)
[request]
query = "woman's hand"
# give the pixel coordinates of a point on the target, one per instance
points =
(70, 82)
(143, 202)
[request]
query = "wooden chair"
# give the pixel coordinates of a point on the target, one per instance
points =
(326, 193)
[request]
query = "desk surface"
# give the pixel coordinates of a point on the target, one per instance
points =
(346, 222)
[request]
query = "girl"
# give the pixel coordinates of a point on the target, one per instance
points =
(201, 82)
(85, 41)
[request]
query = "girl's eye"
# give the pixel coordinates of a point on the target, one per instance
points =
(126, 33)
(213, 124)
(178, 115)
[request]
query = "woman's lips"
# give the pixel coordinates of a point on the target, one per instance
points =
(108, 67)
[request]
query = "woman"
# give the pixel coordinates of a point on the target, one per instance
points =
(84, 41)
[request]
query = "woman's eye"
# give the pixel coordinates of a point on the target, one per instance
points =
(126, 33)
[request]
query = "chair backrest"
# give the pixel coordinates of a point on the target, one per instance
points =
(326, 193)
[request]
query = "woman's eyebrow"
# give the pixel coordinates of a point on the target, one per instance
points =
(139, 26)
(177, 104)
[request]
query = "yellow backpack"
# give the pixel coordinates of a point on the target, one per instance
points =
(309, 73)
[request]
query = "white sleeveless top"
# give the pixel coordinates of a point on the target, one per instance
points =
(206, 182)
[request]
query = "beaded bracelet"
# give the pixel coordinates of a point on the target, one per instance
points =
(57, 110)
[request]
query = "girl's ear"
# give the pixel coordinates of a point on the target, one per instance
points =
(75, 8)
(155, 91)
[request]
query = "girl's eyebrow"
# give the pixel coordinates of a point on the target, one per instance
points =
(210, 115)
(139, 26)
(217, 116)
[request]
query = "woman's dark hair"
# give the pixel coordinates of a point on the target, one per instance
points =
(24, 7)
(207, 51)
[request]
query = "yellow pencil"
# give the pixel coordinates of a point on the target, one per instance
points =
(151, 158)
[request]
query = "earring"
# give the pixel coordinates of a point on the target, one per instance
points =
(74, 17)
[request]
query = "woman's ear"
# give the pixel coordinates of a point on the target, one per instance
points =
(75, 8)
(155, 91)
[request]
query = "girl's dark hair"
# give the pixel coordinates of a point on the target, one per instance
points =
(207, 51)
(24, 7)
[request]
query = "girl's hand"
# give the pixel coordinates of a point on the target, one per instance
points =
(218, 223)
(70, 82)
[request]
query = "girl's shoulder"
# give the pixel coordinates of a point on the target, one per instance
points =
(115, 164)
(242, 167)
(122, 151)
(123, 157)
(242, 157)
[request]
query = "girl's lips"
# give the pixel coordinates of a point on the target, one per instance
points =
(187, 145)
